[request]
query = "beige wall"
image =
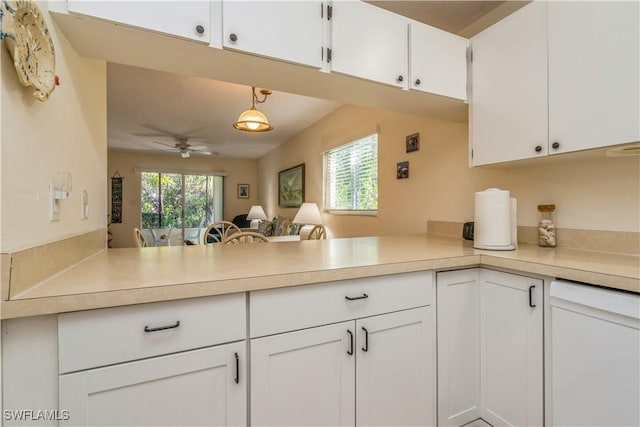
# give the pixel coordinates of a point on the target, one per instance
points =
(599, 193)
(66, 133)
(238, 171)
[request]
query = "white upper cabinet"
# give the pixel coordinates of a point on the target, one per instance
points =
(556, 77)
(508, 102)
(185, 19)
(594, 74)
(369, 42)
(437, 61)
(287, 30)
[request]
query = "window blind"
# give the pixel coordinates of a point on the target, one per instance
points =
(351, 176)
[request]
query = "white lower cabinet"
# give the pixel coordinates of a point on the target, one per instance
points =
(303, 378)
(166, 363)
(395, 369)
(354, 352)
(458, 347)
(378, 370)
(490, 348)
(204, 387)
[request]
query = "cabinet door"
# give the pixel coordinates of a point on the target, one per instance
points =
(287, 30)
(304, 377)
(197, 387)
(508, 105)
(594, 74)
(369, 42)
(186, 19)
(458, 299)
(437, 61)
(511, 349)
(395, 369)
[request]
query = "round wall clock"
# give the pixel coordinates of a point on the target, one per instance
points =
(27, 37)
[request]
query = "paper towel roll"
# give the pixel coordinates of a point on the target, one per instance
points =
(492, 229)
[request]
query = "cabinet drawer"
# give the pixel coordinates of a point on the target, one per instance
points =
(107, 336)
(286, 309)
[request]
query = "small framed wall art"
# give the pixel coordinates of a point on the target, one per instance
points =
(402, 170)
(413, 142)
(243, 191)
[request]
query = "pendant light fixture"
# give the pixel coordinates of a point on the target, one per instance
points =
(253, 120)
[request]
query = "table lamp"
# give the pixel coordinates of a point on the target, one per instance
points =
(256, 213)
(309, 214)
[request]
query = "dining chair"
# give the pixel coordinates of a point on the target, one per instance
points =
(138, 238)
(245, 237)
(317, 233)
(218, 231)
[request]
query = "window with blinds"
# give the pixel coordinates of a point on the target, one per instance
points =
(351, 177)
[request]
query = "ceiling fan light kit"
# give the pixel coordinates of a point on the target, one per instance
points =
(253, 120)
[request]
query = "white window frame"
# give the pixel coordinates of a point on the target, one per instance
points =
(352, 210)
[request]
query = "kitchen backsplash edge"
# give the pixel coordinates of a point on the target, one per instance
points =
(25, 268)
(620, 242)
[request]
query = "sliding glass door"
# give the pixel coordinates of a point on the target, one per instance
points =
(177, 207)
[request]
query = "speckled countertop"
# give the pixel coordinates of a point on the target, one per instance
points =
(117, 277)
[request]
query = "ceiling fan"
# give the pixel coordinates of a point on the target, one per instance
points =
(182, 141)
(185, 149)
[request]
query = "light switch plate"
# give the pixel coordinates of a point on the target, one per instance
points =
(84, 205)
(54, 204)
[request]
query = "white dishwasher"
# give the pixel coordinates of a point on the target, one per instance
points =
(595, 356)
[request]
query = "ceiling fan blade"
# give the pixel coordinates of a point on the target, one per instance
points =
(177, 136)
(155, 135)
(166, 145)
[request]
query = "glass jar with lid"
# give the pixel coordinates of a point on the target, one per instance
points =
(547, 226)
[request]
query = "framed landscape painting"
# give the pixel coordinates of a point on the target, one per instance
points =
(291, 187)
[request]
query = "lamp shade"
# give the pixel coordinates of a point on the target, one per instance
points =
(253, 120)
(309, 213)
(256, 212)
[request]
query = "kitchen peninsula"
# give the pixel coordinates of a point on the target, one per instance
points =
(115, 277)
(143, 322)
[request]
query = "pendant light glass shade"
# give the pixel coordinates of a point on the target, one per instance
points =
(253, 120)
